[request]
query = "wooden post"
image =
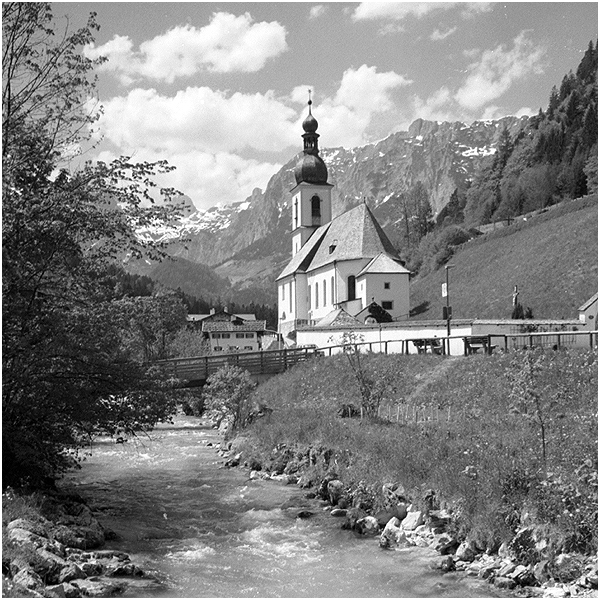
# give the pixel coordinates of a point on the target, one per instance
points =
(398, 414)
(505, 343)
(386, 347)
(466, 345)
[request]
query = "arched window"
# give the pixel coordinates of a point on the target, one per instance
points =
(315, 206)
(316, 295)
(352, 287)
(324, 293)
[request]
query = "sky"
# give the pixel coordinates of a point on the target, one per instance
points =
(220, 89)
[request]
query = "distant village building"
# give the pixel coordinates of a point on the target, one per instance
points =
(226, 332)
(345, 263)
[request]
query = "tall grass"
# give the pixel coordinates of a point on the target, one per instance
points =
(485, 457)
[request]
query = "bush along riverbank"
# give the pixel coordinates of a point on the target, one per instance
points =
(51, 549)
(491, 461)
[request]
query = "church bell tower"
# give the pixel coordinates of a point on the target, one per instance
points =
(311, 196)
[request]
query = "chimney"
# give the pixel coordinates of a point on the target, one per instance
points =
(212, 311)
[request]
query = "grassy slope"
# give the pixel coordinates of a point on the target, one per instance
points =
(553, 259)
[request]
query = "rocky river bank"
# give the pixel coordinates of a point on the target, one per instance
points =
(168, 518)
(525, 566)
(59, 555)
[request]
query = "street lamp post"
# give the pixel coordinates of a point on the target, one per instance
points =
(448, 307)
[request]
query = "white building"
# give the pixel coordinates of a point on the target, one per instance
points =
(347, 262)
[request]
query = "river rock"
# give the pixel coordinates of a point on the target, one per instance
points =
(33, 526)
(412, 520)
(353, 515)
(445, 544)
(567, 567)
(304, 514)
(504, 583)
(62, 590)
(555, 592)
(445, 564)
(465, 552)
(99, 587)
(367, 525)
(26, 537)
(392, 534)
(84, 538)
(28, 579)
(70, 572)
(335, 489)
(339, 512)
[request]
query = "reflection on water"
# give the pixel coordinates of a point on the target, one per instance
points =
(210, 532)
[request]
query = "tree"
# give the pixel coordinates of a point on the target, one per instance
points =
(227, 395)
(67, 371)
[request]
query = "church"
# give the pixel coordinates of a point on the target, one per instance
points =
(341, 265)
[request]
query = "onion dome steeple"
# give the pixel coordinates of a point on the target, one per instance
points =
(310, 167)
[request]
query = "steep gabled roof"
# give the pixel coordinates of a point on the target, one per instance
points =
(591, 301)
(354, 234)
(338, 317)
(302, 259)
(382, 263)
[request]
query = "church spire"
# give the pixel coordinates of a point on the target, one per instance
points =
(310, 167)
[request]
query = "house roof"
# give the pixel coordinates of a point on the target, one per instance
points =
(382, 263)
(337, 318)
(591, 301)
(352, 235)
(221, 313)
(215, 326)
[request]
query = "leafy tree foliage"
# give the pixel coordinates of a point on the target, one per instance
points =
(69, 370)
(227, 395)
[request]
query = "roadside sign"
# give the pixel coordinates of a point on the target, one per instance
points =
(444, 290)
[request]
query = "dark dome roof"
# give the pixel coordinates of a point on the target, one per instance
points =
(310, 124)
(311, 169)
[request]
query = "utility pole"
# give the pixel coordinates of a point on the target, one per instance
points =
(447, 311)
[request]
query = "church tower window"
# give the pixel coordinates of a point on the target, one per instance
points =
(352, 287)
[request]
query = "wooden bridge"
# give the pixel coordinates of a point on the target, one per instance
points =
(196, 370)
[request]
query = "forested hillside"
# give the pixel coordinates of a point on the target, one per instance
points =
(553, 158)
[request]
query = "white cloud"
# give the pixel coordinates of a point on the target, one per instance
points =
(438, 35)
(364, 89)
(212, 136)
(209, 179)
(497, 70)
(227, 44)
(318, 10)
(197, 118)
(398, 11)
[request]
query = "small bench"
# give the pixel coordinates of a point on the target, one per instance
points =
(429, 345)
(475, 343)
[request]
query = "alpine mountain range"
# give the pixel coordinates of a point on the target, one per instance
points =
(248, 243)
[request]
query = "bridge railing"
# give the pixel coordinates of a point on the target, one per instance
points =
(198, 368)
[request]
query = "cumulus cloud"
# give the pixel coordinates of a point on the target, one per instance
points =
(227, 44)
(496, 70)
(217, 139)
(398, 11)
(438, 35)
(207, 178)
(317, 11)
(197, 118)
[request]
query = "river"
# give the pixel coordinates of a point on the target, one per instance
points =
(207, 531)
